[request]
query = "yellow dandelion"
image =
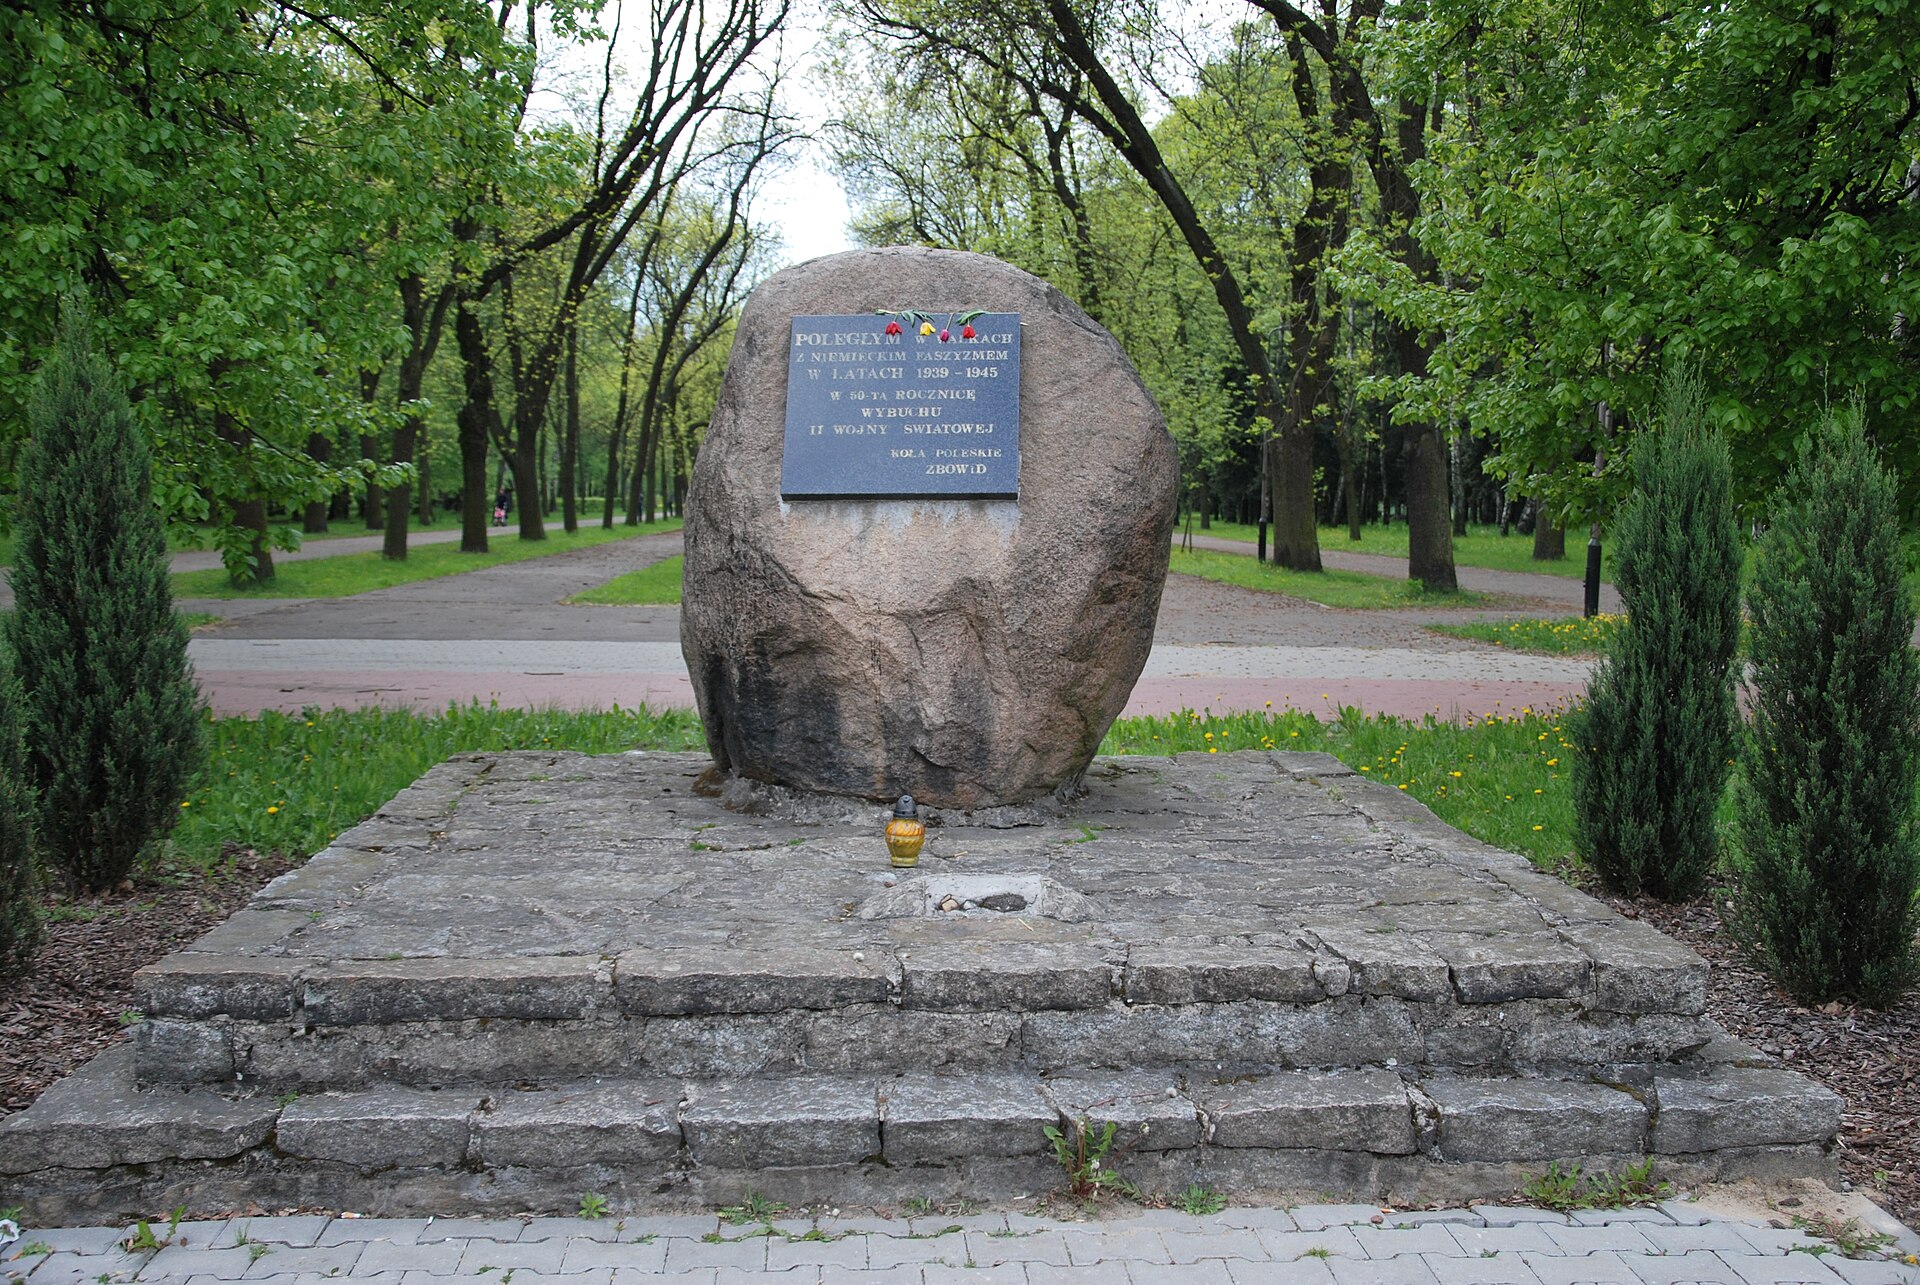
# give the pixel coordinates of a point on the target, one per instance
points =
(1538, 828)
(272, 810)
(1453, 774)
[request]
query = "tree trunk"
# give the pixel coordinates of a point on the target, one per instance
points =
(393, 545)
(425, 513)
(412, 428)
(1457, 482)
(478, 421)
(250, 514)
(1549, 540)
(313, 520)
(570, 438)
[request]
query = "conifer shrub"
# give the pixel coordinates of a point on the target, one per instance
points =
(1828, 863)
(19, 911)
(1656, 735)
(108, 707)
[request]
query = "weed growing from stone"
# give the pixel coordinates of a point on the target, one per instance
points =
(1567, 1188)
(1844, 1234)
(1085, 1155)
(593, 1205)
(143, 1240)
(754, 1208)
(1200, 1201)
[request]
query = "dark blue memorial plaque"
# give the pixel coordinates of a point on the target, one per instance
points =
(903, 415)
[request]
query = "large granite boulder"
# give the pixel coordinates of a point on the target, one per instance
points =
(970, 652)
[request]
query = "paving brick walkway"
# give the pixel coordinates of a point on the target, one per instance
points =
(1673, 1244)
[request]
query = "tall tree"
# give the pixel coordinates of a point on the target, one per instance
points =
(110, 710)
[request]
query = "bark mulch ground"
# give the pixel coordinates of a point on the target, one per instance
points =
(78, 1001)
(1871, 1059)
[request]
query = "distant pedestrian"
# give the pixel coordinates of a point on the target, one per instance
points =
(502, 505)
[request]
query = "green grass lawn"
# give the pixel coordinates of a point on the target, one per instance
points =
(1568, 636)
(650, 586)
(1332, 588)
(1502, 780)
(1481, 547)
(348, 574)
(291, 783)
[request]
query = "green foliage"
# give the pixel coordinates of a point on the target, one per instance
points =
(653, 585)
(290, 783)
(1738, 176)
(593, 1205)
(109, 709)
(1656, 734)
(19, 910)
(1829, 863)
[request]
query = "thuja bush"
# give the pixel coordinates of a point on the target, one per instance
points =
(109, 710)
(1657, 733)
(1828, 863)
(19, 912)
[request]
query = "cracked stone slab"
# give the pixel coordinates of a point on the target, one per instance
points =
(934, 1119)
(1302, 1110)
(614, 1123)
(1509, 1119)
(98, 1117)
(1638, 969)
(166, 1051)
(381, 1127)
(793, 1120)
(1493, 970)
(964, 976)
(766, 979)
(1742, 1107)
(1386, 963)
(195, 984)
(381, 992)
(1149, 1109)
(1222, 972)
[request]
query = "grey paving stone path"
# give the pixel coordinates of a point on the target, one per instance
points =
(1671, 1244)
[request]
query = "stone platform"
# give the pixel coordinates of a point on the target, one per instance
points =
(533, 975)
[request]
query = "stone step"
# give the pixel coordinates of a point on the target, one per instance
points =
(99, 1146)
(1614, 999)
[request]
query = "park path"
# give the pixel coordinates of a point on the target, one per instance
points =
(505, 634)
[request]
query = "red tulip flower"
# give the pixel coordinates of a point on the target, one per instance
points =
(966, 332)
(945, 335)
(893, 327)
